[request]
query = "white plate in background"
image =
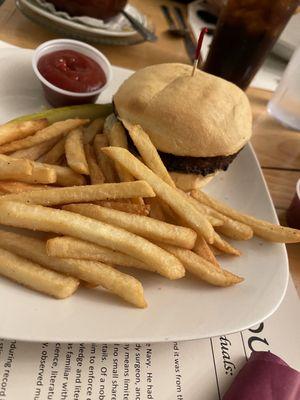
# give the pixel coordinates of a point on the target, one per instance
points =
(178, 310)
(77, 26)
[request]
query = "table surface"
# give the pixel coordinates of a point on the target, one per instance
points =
(277, 147)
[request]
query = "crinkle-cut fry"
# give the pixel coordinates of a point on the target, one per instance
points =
(94, 128)
(19, 130)
(173, 197)
(13, 168)
(202, 268)
(82, 194)
(19, 187)
(96, 175)
(126, 206)
(105, 163)
(54, 155)
(203, 250)
(224, 246)
(230, 227)
(35, 277)
(148, 151)
(93, 273)
(264, 229)
(66, 223)
(69, 247)
(35, 152)
(146, 227)
(75, 154)
(55, 130)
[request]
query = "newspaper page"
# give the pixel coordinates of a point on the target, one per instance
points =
(194, 370)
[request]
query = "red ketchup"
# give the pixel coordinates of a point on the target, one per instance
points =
(71, 71)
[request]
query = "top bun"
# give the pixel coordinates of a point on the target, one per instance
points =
(199, 116)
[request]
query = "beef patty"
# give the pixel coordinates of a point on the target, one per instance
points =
(196, 165)
(190, 165)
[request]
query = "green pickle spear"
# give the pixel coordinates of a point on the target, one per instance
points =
(90, 111)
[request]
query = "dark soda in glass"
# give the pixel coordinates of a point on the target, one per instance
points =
(245, 33)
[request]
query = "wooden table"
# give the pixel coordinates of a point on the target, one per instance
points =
(277, 148)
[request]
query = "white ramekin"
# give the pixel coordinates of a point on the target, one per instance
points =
(58, 97)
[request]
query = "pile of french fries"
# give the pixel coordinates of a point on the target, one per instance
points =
(106, 209)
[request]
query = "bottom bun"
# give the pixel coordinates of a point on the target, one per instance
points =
(189, 182)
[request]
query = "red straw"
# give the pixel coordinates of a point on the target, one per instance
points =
(198, 50)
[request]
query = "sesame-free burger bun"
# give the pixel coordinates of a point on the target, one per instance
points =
(184, 115)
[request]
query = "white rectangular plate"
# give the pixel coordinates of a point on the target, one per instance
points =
(178, 310)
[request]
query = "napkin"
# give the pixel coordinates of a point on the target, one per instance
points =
(265, 377)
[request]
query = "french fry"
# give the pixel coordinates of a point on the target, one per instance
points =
(126, 207)
(229, 227)
(235, 230)
(19, 187)
(92, 130)
(125, 286)
(81, 194)
(224, 246)
(75, 152)
(18, 130)
(264, 229)
(203, 250)
(148, 151)
(68, 247)
(215, 251)
(106, 165)
(202, 268)
(146, 227)
(213, 219)
(117, 137)
(55, 130)
(55, 153)
(173, 218)
(96, 174)
(156, 210)
(34, 152)
(66, 223)
(35, 277)
(65, 176)
(41, 174)
(12, 168)
(175, 199)
(95, 274)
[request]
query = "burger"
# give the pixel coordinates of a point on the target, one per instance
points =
(198, 123)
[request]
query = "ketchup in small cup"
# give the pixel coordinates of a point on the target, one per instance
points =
(71, 72)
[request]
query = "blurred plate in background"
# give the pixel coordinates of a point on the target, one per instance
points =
(77, 30)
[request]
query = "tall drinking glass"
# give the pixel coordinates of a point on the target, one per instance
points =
(245, 33)
(285, 103)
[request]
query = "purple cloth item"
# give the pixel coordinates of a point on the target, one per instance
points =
(265, 377)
